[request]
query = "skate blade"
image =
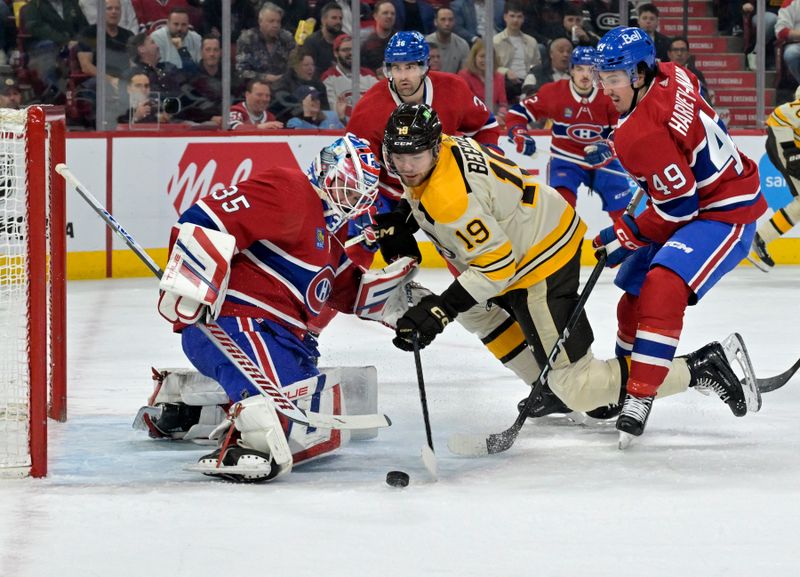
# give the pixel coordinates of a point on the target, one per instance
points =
(758, 263)
(737, 355)
(625, 440)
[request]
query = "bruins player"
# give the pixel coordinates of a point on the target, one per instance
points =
(783, 149)
(515, 242)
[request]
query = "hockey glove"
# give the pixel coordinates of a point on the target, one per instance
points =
(427, 319)
(792, 155)
(394, 232)
(600, 154)
(620, 240)
(524, 142)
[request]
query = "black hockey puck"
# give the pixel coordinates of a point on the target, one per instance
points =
(397, 479)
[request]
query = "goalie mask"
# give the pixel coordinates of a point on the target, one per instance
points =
(346, 175)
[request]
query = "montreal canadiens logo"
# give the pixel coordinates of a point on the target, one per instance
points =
(320, 289)
(585, 133)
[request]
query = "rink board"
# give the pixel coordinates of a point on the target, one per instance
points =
(147, 179)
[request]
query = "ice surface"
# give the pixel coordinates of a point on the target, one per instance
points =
(702, 493)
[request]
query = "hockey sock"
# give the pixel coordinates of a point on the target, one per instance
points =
(781, 222)
(627, 320)
(662, 302)
(569, 196)
(615, 214)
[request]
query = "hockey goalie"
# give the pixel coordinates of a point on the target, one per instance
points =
(262, 258)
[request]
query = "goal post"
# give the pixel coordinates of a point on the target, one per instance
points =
(32, 287)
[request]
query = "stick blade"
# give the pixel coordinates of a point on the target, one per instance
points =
(430, 462)
(467, 445)
(349, 422)
(770, 384)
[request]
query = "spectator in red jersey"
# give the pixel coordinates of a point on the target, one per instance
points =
(338, 79)
(252, 114)
(153, 14)
(475, 72)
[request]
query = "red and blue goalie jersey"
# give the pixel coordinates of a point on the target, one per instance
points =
(577, 120)
(460, 112)
(286, 265)
(678, 148)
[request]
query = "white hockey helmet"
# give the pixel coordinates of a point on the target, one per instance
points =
(346, 172)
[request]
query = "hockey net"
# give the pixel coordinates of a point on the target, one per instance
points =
(32, 288)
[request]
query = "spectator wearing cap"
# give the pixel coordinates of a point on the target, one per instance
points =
(310, 114)
(452, 48)
(300, 73)
(374, 45)
(252, 114)
(338, 79)
(320, 43)
(10, 94)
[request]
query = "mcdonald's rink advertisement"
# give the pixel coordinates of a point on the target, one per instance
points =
(147, 180)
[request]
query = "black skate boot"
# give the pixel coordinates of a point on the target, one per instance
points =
(633, 418)
(545, 403)
(760, 250)
(710, 371)
(171, 420)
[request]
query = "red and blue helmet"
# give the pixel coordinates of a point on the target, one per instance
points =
(407, 47)
(583, 56)
(346, 172)
(623, 48)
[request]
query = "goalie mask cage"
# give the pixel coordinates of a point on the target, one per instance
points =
(32, 287)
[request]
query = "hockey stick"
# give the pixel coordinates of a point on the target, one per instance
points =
(220, 339)
(770, 384)
(472, 446)
(583, 164)
(428, 456)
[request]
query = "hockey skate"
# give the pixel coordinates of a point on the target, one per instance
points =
(633, 418)
(711, 370)
(545, 403)
(760, 257)
(237, 464)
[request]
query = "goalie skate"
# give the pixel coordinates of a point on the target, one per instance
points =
(237, 464)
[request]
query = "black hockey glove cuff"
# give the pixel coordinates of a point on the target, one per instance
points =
(792, 155)
(427, 319)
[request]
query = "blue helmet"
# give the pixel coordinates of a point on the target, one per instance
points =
(583, 55)
(407, 47)
(623, 48)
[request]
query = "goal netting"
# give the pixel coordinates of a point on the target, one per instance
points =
(32, 282)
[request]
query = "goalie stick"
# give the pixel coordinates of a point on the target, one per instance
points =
(226, 345)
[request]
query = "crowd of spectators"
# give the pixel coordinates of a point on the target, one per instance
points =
(291, 60)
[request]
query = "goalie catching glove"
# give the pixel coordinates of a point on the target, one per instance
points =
(196, 277)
